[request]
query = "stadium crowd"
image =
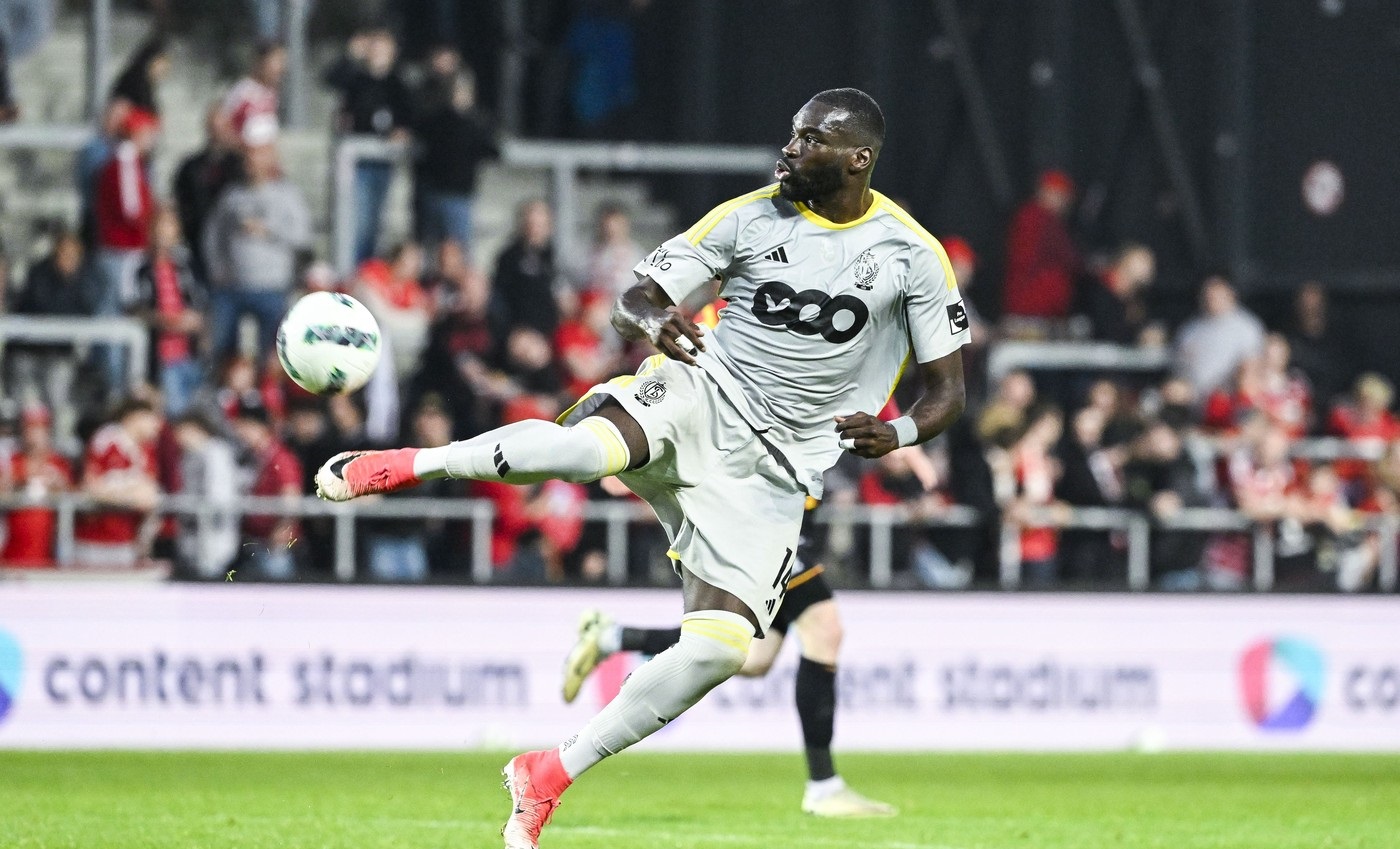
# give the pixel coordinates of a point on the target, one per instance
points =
(472, 342)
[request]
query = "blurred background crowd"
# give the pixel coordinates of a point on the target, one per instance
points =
(208, 254)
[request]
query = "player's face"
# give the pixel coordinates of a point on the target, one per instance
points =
(815, 158)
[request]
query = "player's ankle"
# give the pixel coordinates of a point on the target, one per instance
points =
(822, 788)
(430, 463)
(610, 640)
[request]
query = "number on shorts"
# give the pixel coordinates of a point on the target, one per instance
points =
(780, 582)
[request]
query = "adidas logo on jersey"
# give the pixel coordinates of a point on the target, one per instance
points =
(779, 255)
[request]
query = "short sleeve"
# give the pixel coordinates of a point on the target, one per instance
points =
(938, 321)
(685, 263)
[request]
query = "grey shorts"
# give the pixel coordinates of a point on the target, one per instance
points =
(731, 511)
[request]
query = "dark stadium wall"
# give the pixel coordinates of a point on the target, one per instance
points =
(1255, 91)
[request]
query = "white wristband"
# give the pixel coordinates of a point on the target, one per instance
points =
(906, 430)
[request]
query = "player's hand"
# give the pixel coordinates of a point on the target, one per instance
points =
(866, 436)
(678, 337)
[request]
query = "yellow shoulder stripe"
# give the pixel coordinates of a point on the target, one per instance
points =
(908, 221)
(712, 219)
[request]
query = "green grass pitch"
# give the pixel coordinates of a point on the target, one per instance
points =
(126, 800)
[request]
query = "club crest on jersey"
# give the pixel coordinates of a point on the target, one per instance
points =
(866, 269)
(651, 393)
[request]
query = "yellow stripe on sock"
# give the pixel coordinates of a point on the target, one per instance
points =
(729, 633)
(613, 447)
(736, 643)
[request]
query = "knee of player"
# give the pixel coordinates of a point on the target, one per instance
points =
(755, 666)
(822, 631)
(716, 649)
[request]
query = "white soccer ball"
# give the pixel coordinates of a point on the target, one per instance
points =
(328, 343)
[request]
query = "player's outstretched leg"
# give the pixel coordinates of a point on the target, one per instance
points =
(523, 452)
(712, 647)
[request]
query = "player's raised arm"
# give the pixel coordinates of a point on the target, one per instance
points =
(646, 312)
(942, 402)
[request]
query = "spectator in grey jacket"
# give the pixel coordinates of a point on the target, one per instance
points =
(250, 247)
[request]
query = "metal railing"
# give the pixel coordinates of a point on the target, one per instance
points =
(1074, 356)
(565, 161)
(882, 521)
(127, 332)
(22, 136)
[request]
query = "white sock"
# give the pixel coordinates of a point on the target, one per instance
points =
(818, 790)
(713, 646)
(610, 641)
(529, 452)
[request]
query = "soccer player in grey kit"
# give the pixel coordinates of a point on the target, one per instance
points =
(831, 290)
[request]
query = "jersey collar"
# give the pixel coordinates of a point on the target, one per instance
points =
(818, 220)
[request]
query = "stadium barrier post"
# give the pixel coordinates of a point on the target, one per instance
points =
(1009, 556)
(617, 519)
(1263, 556)
(1139, 548)
(345, 544)
(66, 509)
(99, 37)
(294, 15)
(881, 529)
(482, 515)
(1389, 532)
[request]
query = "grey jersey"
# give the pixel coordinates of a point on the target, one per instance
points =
(822, 318)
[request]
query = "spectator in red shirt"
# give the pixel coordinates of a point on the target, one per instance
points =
(124, 209)
(1365, 420)
(536, 526)
(170, 302)
(586, 346)
(1261, 480)
(613, 255)
(1268, 385)
(1041, 260)
(35, 472)
(1036, 471)
(268, 548)
(250, 107)
(393, 291)
(1367, 416)
(119, 472)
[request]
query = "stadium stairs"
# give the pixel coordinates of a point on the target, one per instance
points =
(36, 186)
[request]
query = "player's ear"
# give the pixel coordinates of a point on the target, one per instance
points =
(861, 159)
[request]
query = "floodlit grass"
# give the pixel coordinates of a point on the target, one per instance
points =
(144, 800)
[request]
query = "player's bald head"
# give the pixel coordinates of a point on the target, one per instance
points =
(856, 115)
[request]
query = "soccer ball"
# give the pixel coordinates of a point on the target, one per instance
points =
(328, 343)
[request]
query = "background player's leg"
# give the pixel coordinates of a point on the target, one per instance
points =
(819, 629)
(714, 643)
(599, 638)
(651, 641)
(762, 654)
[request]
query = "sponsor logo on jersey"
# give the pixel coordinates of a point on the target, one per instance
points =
(651, 393)
(810, 312)
(866, 270)
(957, 316)
(778, 255)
